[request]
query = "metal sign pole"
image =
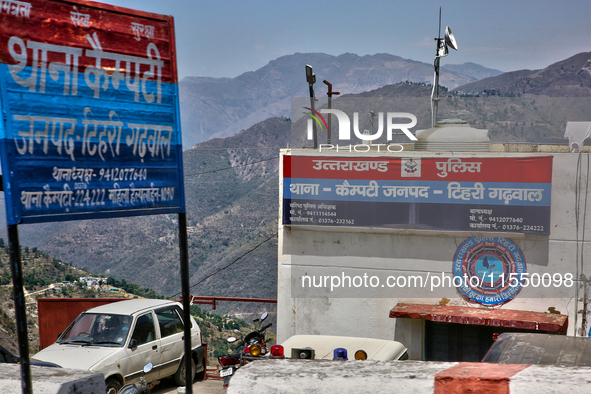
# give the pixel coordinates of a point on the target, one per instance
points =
(313, 123)
(330, 94)
(20, 308)
(311, 79)
(184, 256)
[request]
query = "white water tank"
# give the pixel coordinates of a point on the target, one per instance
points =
(452, 135)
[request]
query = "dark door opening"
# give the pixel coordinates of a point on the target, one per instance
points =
(460, 342)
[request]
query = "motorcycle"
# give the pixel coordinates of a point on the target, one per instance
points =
(141, 387)
(254, 348)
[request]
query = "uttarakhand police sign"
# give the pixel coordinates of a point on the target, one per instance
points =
(90, 102)
(459, 193)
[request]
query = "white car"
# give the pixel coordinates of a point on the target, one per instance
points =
(118, 339)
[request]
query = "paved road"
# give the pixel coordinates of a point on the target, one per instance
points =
(209, 386)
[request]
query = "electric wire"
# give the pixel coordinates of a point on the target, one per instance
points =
(229, 168)
(231, 149)
(227, 266)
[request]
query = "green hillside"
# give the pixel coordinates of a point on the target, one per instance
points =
(229, 212)
(47, 277)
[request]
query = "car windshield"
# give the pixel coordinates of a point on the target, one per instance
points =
(93, 329)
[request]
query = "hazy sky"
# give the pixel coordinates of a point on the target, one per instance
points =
(225, 38)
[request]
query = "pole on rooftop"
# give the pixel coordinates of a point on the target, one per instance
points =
(311, 79)
(330, 93)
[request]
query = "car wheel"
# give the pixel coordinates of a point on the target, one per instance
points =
(200, 376)
(179, 376)
(113, 386)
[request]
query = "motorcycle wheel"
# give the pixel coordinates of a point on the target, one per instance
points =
(179, 376)
(113, 386)
(227, 380)
(128, 388)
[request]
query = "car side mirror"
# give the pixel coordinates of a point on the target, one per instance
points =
(133, 343)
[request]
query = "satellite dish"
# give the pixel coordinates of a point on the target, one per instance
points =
(450, 40)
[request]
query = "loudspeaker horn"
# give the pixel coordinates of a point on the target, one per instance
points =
(450, 40)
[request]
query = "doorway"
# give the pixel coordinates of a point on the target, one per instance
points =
(460, 342)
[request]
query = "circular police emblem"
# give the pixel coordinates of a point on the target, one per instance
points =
(489, 270)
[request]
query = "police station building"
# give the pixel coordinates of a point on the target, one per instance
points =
(440, 246)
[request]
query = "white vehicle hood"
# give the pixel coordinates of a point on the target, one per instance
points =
(75, 356)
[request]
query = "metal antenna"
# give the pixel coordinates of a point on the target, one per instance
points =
(442, 51)
(435, 90)
(311, 79)
(439, 31)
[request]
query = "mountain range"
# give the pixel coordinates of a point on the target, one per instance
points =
(567, 78)
(222, 107)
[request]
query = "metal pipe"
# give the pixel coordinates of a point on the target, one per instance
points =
(435, 94)
(241, 299)
(20, 308)
(184, 259)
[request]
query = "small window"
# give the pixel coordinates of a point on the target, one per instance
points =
(170, 322)
(144, 331)
(111, 329)
(81, 327)
(179, 311)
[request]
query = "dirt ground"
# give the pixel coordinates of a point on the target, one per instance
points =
(209, 386)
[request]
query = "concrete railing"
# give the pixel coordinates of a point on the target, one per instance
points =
(421, 377)
(47, 380)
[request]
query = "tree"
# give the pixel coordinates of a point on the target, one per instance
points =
(5, 279)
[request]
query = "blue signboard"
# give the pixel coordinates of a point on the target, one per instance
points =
(91, 123)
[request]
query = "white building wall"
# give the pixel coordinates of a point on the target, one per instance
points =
(393, 252)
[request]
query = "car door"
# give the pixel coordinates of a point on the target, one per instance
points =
(171, 336)
(143, 347)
